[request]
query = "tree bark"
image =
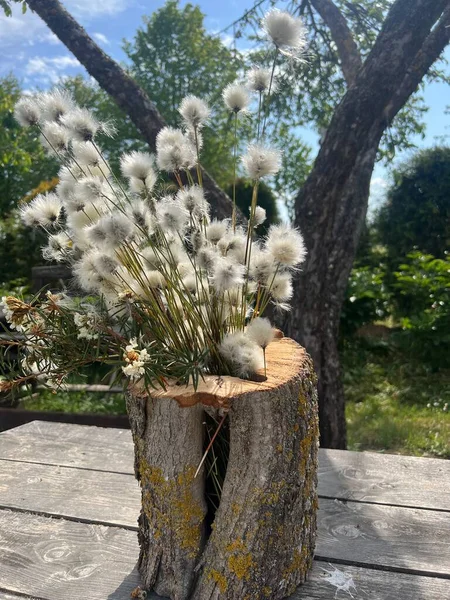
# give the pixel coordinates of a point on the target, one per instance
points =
(263, 534)
(168, 448)
(127, 94)
(331, 207)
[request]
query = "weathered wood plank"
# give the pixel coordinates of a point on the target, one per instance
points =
(54, 559)
(97, 448)
(368, 534)
(328, 582)
(8, 596)
(385, 479)
(368, 477)
(108, 498)
(385, 536)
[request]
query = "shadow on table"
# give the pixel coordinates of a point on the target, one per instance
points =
(131, 582)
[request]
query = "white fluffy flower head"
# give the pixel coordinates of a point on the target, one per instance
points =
(139, 165)
(194, 111)
(285, 31)
(286, 245)
(261, 161)
(261, 331)
(259, 80)
(44, 210)
(27, 112)
(236, 97)
(54, 105)
(243, 354)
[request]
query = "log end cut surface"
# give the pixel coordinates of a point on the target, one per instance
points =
(284, 359)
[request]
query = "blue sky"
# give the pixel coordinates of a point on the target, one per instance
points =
(30, 51)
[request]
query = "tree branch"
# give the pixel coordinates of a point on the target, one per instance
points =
(347, 49)
(127, 94)
(432, 48)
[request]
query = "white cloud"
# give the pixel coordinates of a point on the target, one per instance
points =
(50, 70)
(101, 37)
(21, 29)
(379, 182)
(90, 9)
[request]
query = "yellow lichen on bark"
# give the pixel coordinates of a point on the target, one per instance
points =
(171, 508)
(220, 579)
(240, 560)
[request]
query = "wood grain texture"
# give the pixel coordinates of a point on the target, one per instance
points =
(339, 582)
(386, 536)
(81, 446)
(61, 560)
(54, 559)
(367, 534)
(284, 359)
(108, 498)
(363, 476)
(385, 479)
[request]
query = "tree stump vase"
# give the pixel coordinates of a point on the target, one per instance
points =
(262, 540)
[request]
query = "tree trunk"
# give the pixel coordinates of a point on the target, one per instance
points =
(263, 534)
(331, 207)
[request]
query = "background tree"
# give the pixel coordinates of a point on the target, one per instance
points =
(172, 56)
(127, 94)
(332, 204)
(23, 161)
(266, 199)
(417, 212)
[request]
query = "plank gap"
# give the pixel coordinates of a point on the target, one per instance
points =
(49, 515)
(375, 567)
(16, 594)
(373, 502)
(61, 466)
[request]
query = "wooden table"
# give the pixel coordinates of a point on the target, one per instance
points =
(69, 504)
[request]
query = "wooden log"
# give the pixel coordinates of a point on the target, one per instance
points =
(263, 534)
(168, 448)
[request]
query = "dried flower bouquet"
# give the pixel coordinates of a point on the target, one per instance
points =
(174, 300)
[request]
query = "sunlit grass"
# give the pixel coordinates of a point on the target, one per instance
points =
(394, 404)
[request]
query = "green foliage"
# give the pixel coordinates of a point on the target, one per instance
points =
(367, 298)
(422, 284)
(19, 252)
(6, 5)
(76, 402)
(266, 199)
(415, 297)
(23, 162)
(417, 212)
(395, 402)
(173, 56)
